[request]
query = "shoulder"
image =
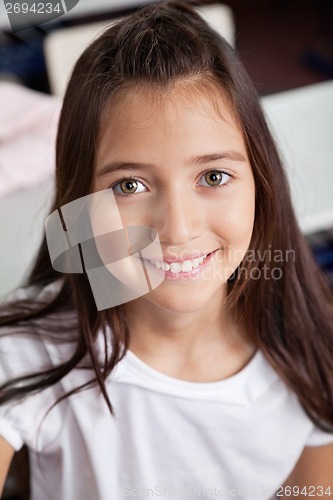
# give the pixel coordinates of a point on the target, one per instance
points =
(281, 403)
(306, 450)
(33, 345)
(31, 376)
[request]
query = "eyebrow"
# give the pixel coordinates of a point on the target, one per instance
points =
(233, 156)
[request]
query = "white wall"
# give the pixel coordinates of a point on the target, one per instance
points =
(302, 123)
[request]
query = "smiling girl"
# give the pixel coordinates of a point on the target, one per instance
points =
(220, 378)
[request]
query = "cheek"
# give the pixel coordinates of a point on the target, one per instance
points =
(135, 213)
(235, 223)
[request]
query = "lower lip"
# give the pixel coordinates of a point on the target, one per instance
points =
(185, 276)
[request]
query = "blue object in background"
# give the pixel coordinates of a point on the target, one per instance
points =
(321, 244)
(22, 58)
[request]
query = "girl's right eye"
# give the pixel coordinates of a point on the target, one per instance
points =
(128, 187)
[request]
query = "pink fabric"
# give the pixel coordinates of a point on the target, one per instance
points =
(28, 126)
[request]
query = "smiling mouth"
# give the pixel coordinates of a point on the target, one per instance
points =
(186, 266)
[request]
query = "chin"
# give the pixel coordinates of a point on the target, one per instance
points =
(186, 301)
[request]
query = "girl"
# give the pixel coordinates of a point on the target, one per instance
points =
(217, 382)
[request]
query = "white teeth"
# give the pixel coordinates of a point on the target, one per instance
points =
(176, 267)
(186, 266)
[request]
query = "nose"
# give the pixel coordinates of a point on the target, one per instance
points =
(179, 216)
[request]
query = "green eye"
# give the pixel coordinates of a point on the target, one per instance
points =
(213, 178)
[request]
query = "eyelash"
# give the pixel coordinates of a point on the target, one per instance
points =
(129, 195)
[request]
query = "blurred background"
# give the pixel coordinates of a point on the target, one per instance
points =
(287, 48)
(283, 43)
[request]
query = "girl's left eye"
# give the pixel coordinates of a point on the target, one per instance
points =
(214, 178)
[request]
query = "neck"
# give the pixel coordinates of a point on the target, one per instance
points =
(203, 345)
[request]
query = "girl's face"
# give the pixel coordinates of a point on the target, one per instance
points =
(177, 163)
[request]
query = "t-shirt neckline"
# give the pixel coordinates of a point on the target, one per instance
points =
(241, 388)
(136, 364)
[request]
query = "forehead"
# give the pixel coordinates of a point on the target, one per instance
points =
(191, 114)
(139, 103)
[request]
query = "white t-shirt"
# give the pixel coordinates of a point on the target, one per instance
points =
(170, 439)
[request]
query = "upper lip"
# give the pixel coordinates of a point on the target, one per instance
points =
(184, 256)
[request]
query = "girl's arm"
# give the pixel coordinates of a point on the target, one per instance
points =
(313, 472)
(6, 455)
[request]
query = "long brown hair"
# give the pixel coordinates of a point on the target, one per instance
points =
(291, 317)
